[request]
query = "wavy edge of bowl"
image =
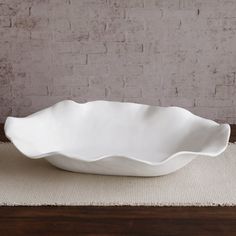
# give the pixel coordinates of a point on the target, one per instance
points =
(226, 128)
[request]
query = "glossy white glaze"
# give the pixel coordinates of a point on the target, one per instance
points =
(117, 138)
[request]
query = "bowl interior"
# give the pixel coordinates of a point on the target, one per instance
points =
(100, 128)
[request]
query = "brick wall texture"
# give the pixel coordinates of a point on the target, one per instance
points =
(158, 52)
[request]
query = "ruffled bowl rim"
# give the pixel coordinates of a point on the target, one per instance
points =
(16, 142)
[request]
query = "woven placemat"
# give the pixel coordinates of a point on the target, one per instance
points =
(206, 181)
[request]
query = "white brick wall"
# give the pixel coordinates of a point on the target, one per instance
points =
(159, 52)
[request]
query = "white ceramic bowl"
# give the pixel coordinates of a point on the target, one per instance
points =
(115, 138)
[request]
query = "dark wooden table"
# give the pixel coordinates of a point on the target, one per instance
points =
(122, 220)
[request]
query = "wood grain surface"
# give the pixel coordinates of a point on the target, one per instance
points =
(123, 220)
(117, 220)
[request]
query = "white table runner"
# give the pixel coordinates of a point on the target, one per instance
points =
(205, 181)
